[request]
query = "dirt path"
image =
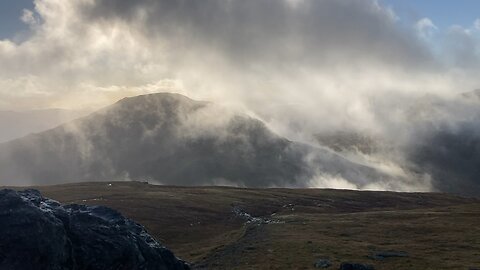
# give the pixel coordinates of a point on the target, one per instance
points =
(231, 256)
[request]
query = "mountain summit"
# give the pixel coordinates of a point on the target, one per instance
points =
(171, 139)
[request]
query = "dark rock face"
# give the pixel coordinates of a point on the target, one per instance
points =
(355, 266)
(39, 233)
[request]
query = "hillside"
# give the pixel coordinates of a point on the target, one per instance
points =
(171, 139)
(294, 228)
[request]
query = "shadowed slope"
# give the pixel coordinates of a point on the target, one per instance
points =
(170, 139)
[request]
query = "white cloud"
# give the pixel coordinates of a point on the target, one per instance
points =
(129, 44)
(476, 24)
(329, 181)
(426, 28)
(462, 48)
(29, 18)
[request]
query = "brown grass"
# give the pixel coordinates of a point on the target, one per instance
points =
(438, 231)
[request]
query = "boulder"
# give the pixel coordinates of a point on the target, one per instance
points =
(381, 255)
(355, 266)
(39, 233)
(322, 263)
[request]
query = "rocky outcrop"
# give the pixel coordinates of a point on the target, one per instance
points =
(249, 219)
(356, 266)
(39, 233)
(322, 263)
(382, 255)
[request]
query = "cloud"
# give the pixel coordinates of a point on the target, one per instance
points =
(477, 24)
(426, 28)
(462, 48)
(128, 44)
(29, 18)
(286, 62)
(448, 149)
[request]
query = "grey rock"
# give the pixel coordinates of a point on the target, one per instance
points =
(249, 219)
(322, 263)
(356, 266)
(381, 255)
(39, 233)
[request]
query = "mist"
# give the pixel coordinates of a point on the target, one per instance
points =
(308, 69)
(17, 124)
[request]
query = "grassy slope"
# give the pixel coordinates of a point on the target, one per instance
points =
(438, 231)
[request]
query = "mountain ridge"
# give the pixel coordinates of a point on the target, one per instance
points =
(171, 139)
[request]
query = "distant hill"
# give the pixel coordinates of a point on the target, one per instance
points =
(14, 124)
(171, 139)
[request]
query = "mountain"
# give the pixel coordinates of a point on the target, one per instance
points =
(446, 142)
(171, 139)
(41, 234)
(18, 124)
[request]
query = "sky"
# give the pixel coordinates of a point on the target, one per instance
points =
(10, 13)
(443, 13)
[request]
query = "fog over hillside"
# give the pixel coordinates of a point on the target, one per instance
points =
(171, 139)
(15, 124)
(381, 94)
